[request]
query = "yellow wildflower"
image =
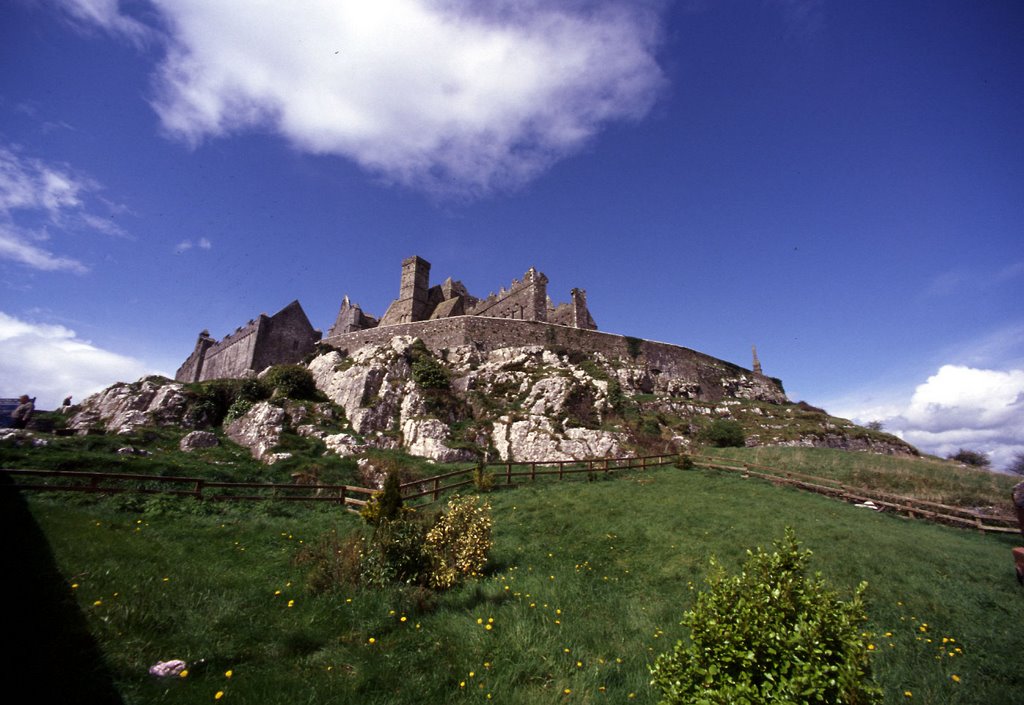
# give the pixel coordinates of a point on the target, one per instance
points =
(228, 673)
(955, 677)
(218, 695)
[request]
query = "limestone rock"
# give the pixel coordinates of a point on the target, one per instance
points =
(534, 438)
(259, 429)
(344, 445)
(428, 438)
(122, 408)
(198, 439)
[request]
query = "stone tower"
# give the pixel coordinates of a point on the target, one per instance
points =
(412, 302)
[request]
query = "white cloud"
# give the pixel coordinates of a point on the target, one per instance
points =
(957, 407)
(16, 245)
(35, 194)
(51, 361)
(186, 245)
(452, 98)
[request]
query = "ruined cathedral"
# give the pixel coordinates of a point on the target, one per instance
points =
(288, 336)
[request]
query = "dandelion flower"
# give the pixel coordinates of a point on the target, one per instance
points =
(218, 695)
(955, 677)
(907, 694)
(462, 684)
(479, 620)
(74, 586)
(403, 619)
(183, 674)
(228, 673)
(488, 627)
(567, 691)
(871, 647)
(97, 603)
(371, 640)
(291, 603)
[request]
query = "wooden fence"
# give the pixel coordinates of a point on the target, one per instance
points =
(934, 511)
(506, 474)
(503, 473)
(350, 496)
(196, 487)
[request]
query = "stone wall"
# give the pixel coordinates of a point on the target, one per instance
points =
(232, 356)
(712, 379)
(284, 338)
(525, 300)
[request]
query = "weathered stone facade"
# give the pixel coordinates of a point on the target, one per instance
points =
(525, 300)
(447, 316)
(284, 338)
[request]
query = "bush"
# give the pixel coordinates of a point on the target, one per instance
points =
(770, 635)
(332, 562)
(723, 433)
(292, 381)
(1016, 465)
(459, 542)
(428, 373)
(974, 458)
(385, 505)
(396, 554)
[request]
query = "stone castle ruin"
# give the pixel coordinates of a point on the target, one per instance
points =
(286, 337)
(446, 316)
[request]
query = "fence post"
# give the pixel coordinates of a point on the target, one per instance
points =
(508, 473)
(437, 489)
(343, 496)
(199, 489)
(643, 463)
(533, 472)
(561, 468)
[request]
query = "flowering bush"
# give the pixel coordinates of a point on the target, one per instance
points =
(459, 542)
(770, 635)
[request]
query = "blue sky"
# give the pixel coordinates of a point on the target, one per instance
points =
(841, 184)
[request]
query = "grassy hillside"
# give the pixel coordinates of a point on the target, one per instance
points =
(932, 479)
(589, 581)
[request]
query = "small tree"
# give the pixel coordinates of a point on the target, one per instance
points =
(1016, 465)
(875, 425)
(974, 458)
(770, 635)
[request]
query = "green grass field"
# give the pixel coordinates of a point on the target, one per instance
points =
(587, 585)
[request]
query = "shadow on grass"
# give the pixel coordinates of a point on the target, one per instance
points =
(51, 650)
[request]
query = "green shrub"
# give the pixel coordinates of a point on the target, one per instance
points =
(458, 544)
(974, 458)
(483, 479)
(292, 381)
(723, 433)
(386, 505)
(770, 635)
(238, 409)
(429, 373)
(396, 554)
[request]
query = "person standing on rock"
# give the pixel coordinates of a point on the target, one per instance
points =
(23, 412)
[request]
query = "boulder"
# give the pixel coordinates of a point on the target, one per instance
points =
(259, 429)
(198, 439)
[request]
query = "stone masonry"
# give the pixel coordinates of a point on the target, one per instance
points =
(446, 316)
(284, 338)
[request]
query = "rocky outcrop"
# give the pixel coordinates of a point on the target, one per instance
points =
(124, 407)
(894, 446)
(259, 429)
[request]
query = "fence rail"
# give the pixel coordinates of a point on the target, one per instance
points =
(433, 487)
(934, 511)
(196, 487)
(505, 474)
